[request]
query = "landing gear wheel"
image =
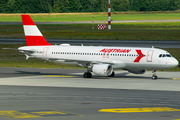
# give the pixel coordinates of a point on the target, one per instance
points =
(87, 75)
(112, 75)
(154, 77)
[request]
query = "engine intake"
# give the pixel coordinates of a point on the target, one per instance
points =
(102, 69)
(136, 71)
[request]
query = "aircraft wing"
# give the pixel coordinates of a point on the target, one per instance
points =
(85, 63)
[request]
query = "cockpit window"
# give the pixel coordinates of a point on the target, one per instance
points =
(164, 55)
(168, 55)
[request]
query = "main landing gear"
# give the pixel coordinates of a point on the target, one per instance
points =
(154, 77)
(87, 75)
(112, 75)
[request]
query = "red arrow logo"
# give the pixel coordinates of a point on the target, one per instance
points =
(140, 55)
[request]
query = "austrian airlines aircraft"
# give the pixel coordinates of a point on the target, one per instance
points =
(99, 60)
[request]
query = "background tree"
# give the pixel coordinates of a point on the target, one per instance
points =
(10, 5)
(59, 6)
(121, 5)
(104, 5)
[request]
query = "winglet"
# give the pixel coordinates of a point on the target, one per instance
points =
(32, 33)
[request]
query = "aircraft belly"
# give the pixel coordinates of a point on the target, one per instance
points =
(64, 62)
(146, 66)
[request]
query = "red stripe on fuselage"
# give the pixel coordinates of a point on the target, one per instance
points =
(26, 19)
(140, 55)
(36, 41)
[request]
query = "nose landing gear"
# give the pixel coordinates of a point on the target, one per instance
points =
(154, 77)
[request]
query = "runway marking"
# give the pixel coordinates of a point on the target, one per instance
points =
(35, 114)
(56, 76)
(16, 114)
(138, 110)
(175, 78)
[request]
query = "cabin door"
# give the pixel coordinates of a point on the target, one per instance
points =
(45, 50)
(150, 55)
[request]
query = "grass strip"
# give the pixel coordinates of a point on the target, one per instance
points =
(125, 31)
(120, 16)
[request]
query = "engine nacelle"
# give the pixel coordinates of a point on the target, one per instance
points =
(136, 71)
(102, 69)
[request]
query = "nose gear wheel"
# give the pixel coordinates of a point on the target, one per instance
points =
(154, 77)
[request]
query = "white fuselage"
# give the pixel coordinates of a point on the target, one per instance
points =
(118, 57)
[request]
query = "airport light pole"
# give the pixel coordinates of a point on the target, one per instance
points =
(109, 16)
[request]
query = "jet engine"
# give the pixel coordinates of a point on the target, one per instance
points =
(102, 69)
(136, 71)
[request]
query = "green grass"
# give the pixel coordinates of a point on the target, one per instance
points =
(88, 17)
(11, 58)
(127, 31)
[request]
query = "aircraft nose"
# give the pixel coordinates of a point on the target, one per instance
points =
(174, 62)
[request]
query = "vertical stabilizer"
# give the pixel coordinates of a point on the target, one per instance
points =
(32, 33)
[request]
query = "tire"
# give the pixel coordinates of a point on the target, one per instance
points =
(112, 75)
(154, 77)
(87, 75)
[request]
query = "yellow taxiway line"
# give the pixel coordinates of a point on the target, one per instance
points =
(175, 78)
(138, 110)
(35, 114)
(56, 76)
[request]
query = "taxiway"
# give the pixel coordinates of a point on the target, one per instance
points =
(43, 94)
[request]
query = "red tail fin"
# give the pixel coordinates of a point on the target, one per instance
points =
(32, 33)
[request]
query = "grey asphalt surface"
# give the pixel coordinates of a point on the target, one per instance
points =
(6, 72)
(122, 43)
(87, 102)
(28, 91)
